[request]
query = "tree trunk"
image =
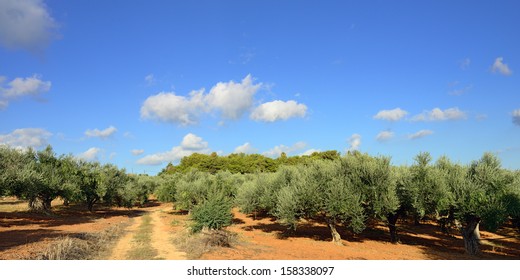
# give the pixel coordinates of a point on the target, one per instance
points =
(471, 235)
(336, 238)
(38, 204)
(90, 204)
(392, 220)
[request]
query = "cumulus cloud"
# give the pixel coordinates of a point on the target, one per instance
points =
(278, 110)
(168, 107)
(190, 144)
(233, 99)
(278, 150)
(26, 137)
(137, 152)
(437, 114)
(420, 134)
(103, 134)
(501, 67)
(246, 148)
(193, 142)
(391, 115)
(516, 117)
(90, 154)
(384, 135)
(354, 142)
(19, 87)
(26, 25)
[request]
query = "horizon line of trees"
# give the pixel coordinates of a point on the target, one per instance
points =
(242, 163)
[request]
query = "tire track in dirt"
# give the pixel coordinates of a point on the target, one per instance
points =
(161, 239)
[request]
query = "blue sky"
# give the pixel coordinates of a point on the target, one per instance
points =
(143, 83)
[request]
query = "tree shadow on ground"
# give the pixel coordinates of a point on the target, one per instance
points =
(427, 236)
(23, 227)
(13, 238)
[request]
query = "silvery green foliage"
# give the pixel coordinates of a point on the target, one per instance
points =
(373, 178)
(320, 191)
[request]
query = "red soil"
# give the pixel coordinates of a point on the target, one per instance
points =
(24, 234)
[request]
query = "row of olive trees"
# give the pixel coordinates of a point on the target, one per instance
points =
(349, 190)
(41, 176)
(207, 197)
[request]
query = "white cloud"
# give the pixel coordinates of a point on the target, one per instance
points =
(420, 134)
(190, 144)
(354, 142)
(90, 154)
(309, 152)
(233, 99)
(278, 150)
(384, 135)
(246, 148)
(516, 117)
(150, 79)
(168, 107)
(26, 137)
(391, 115)
(278, 110)
(103, 134)
(25, 24)
(437, 114)
(137, 152)
(501, 67)
(193, 142)
(20, 87)
(230, 99)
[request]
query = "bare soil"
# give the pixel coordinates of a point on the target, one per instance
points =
(161, 237)
(264, 239)
(24, 234)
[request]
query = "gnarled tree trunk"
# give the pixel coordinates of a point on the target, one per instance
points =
(471, 235)
(336, 238)
(38, 204)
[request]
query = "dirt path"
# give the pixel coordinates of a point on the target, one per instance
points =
(160, 238)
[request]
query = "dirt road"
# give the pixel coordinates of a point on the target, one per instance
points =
(160, 238)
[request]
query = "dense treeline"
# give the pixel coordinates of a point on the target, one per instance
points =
(242, 163)
(349, 190)
(41, 176)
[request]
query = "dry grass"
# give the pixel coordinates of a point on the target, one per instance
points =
(197, 244)
(12, 204)
(85, 246)
(142, 249)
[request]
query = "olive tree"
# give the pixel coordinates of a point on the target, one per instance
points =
(40, 178)
(480, 194)
(320, 191)
(373, 178)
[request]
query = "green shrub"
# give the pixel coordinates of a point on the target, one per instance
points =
(213, 213)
